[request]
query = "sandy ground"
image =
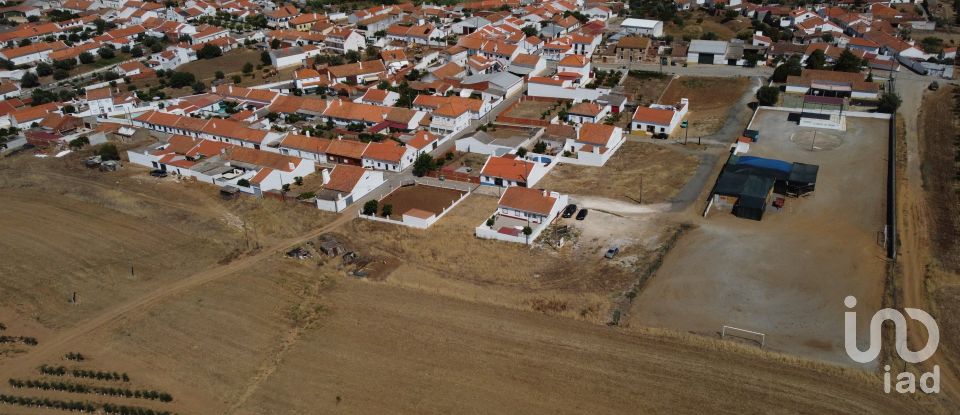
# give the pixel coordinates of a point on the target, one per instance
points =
(638, 172)
(787, 275)
(710, 100)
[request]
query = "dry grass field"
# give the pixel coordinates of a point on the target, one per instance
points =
(220, 319)
(531, 109)
(700, 22)
(644, 88)
(938, 155)
(230, 63)
(710, 100)
(663, 172)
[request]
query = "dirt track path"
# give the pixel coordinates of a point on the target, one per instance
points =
(915, 248)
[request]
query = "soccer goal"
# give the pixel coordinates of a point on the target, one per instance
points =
(743, 334)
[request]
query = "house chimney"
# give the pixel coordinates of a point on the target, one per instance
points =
(291, 166)
(545, 193)
(325, 173)
(308, 133)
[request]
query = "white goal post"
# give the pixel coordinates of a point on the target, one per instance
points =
(745, 334)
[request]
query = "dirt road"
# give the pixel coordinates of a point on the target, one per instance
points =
(914, 253)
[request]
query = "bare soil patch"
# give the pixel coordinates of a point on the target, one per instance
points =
(532, 109)
(428, 198)
(660, 172)
(643, 87)
(710, 100)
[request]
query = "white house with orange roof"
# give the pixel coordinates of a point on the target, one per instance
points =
(388, 155)
(381, 97)
(343, 40)
(520, 208)
(509, 170)
(594, 144)
(345, 184)
(223, 164)
(658, 118)
(575, 68)
(587, 111)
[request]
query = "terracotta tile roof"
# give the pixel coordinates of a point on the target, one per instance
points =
(99, 93)
(359, 68)
(526, 60)
(291, 104)
(262, 158)
(578, 61)
(347, 148)
(585, 108)
(344, 178)
(653, 115)
(507, 168)
(598, 134)
(527, 200)
(351, 111)
(388, 150)
(314, 145)
(422, 139)
(375, 95)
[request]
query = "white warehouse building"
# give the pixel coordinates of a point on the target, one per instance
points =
(653, 28)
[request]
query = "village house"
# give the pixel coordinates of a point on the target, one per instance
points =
(658, 118)
(509, 170)
(344, 185)
(519, 209)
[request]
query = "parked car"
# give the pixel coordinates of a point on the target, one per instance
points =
(612, 252)
(569, 210)
(158, 173)
(661, 136)
(582, 214)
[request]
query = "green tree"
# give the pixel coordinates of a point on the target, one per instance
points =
(848, 62)
(218, 74)
(423, 164)
(182, 79)
(237, 79)
(44, 69)
(29, 80)
(521, 152)
(540, 147)
(209, 51)
(86, 58)
(248, 68)
(386, 210)
(789, 68)
(265, 58)
(889, 102)
(767, 95)
(370, 208)
(817, 60)
(107, 53)
(526, 232)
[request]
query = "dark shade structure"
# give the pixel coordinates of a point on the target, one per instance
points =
(753, 180)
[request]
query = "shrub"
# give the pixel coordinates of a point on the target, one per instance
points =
(768, 95)
(370, 208)
(108, 151)
(243, 182)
